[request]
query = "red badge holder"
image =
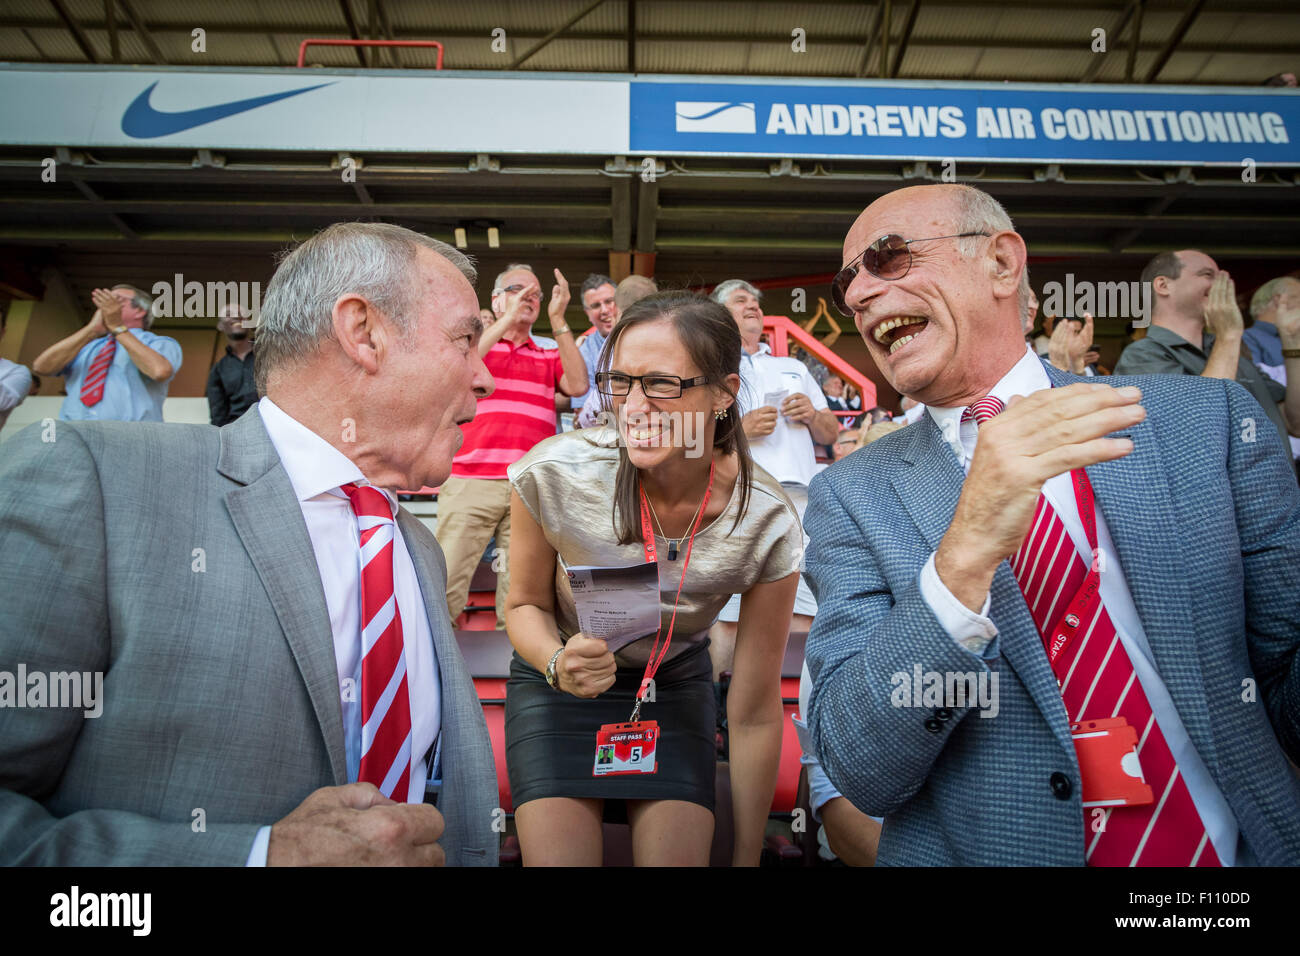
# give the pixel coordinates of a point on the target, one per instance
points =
(1108, 763)
(623, 749)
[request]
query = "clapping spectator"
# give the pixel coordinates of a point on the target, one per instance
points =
(114, 368)
(838, 401)
(474, 503)
(1196, 329)
(1070, 344)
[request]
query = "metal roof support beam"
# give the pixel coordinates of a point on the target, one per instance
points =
(1115, 33)
(647, 216)
(885, 27)
(145, 36)
(78, 37)
(871, 38)
(394, 52)
(114, 48)
(1180, 31)
(631, 36)
(114, 218)
(555, 33)
(346, 8)
(620, 214)
(1134, 41)
(907, 36)
(1122, 240)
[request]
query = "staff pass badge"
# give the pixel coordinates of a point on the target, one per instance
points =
(626, 748)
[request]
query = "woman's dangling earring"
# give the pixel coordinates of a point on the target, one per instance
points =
(720, 414)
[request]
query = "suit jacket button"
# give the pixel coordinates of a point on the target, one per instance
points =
(933, 725)
(943, 713)
(1061, 786)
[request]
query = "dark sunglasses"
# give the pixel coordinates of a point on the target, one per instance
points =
(654, 386)
(889, 257)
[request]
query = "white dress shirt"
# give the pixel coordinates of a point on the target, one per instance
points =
(317, 469)
(15, 383)
(974, 632)
(787, 454)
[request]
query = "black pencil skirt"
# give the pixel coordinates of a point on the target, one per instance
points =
(551, 735)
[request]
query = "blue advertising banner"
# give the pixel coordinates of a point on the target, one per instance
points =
(967, 121)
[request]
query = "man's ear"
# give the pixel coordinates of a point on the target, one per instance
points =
(1008, 254)
(1160, 285)
(360, 331)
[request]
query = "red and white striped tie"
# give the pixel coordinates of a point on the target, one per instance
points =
(92, 386)
(1099, 682)
(385, 701)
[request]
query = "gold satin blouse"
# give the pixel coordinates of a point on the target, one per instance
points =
(567, 484)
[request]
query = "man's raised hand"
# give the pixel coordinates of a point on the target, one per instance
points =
(560, 297)
(1222, 314)
(1047, 434)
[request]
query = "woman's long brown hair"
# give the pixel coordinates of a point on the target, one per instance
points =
(712, 340)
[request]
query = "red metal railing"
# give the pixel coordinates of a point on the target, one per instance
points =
(302, 47)
(779, 328)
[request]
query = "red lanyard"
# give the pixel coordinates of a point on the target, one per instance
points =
(1086, 599)
(647, 533)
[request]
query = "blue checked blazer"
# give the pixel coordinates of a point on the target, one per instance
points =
(1206, 523)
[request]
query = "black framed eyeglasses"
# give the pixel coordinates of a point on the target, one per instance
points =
(617, 384)
(889, 257)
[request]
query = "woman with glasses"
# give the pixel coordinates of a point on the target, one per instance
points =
(667, 480)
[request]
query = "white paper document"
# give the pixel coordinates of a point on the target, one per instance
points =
(618, 605)
(775, 398)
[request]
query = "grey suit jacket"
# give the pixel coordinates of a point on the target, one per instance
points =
(175, 560)
(1205, 516)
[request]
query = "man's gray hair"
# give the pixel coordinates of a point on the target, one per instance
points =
(977, 211)
(513, 267)
(1265, 294)
(374, 260)
(141, 300)
(1024, 292)
(724, 290)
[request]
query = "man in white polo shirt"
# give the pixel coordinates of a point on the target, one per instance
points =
(784, 413)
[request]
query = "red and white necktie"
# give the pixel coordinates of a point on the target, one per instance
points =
(1099, 682)
(92, 386)
(385, 700)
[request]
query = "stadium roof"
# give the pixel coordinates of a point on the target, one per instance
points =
(1230, 42)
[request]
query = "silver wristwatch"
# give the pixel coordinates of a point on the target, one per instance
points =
(551, 677)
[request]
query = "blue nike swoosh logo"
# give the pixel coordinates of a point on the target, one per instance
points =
(142, 121)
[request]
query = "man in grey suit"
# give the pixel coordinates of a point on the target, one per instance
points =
(213, 578)
(948, 694)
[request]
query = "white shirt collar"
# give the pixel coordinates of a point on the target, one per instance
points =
(763, 349)
(1024, 378)
(314, 466)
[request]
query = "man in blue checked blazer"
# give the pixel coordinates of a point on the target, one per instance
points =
(935, 702)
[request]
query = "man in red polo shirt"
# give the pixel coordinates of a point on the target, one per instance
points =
(474, 503)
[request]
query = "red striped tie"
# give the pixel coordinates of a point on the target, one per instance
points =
(385, 702)
(1098, 681)
(92, 386)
